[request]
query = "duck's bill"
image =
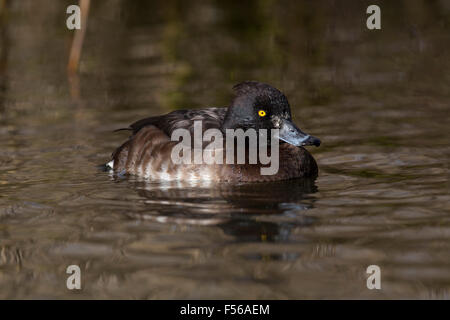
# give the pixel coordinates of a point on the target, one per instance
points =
(291, 134)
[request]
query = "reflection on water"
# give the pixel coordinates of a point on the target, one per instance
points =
(239, 210)
(379, 101)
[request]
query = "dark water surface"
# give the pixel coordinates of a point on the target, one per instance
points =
(379, 101)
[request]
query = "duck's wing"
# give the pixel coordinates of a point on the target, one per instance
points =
(210, 118)
(151, 137)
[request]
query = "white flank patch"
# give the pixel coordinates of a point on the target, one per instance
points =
(148, 170)
(140, 171)
(163, 175)
(179, 174)
(205, 174)
(193, 176)
(182, 173)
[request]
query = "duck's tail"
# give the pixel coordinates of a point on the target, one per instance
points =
(107, 166)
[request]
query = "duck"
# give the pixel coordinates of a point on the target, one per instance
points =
(149, 150)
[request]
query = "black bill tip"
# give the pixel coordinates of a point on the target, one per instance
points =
(312, 141)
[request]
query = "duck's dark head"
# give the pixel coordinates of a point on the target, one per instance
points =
(260, 106)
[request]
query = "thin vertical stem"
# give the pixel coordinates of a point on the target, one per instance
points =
(77, 43)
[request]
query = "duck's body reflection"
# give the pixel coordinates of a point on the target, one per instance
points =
(262, 212)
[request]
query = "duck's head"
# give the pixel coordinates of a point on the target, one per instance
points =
(260, 106)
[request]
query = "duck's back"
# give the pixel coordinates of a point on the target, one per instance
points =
(183, 119)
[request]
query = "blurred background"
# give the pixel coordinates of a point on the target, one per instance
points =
(378, 100)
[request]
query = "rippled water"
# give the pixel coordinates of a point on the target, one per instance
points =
(379, 101)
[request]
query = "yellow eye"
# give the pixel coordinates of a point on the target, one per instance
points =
(262, 113)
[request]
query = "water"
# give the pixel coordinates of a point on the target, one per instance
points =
(378, 100)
